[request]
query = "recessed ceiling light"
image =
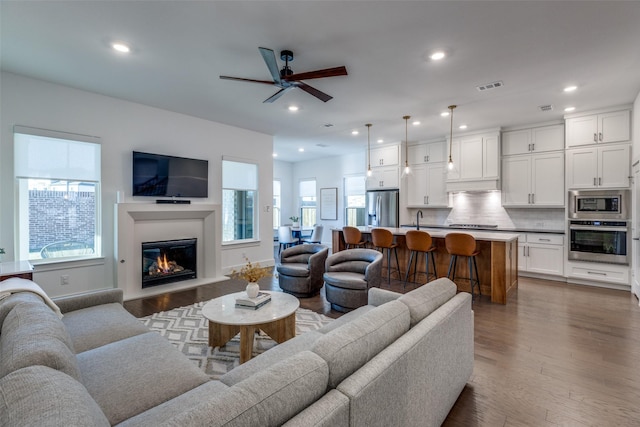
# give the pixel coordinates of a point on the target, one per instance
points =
(570, 88)
(462, 127)
(275, 154)
(354, 132)
(436, 56)
(416, 123)
(380, 141)
(293, 108)
(301, 150)
(121, 47)
(444, 114)
(569, 109)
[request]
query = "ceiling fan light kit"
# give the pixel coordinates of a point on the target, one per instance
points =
(286, 79)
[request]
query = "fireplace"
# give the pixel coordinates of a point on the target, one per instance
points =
(168, 261)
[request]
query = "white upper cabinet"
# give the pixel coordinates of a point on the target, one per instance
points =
(534, 140)
(535, 180)
(476, 160)
(426, 185)
(387, 155)
(431, 152)
(383, 178)
(598, 128)
(606, 166)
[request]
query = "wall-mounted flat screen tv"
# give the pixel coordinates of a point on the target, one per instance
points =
(157, 175)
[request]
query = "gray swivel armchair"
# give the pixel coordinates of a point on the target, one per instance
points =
(348, 276)
(300, 269)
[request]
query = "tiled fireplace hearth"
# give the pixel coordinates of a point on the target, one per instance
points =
(148, 230)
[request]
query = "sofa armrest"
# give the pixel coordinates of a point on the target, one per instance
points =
(89, 299)
(377, 296)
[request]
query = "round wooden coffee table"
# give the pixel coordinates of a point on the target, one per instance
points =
(277, 319)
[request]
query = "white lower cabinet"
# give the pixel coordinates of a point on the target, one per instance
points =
(541, 253)
(588, 272)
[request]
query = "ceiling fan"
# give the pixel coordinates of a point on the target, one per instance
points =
(286, 79)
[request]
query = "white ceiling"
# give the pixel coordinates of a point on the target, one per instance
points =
(181, 47)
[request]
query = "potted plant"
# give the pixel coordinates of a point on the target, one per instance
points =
(295, 220)
(252, 273)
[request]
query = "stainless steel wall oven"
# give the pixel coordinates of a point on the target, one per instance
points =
(600, 241)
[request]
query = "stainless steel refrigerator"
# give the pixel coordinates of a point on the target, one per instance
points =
(382, 208)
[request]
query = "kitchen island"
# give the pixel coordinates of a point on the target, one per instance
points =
(497, 261)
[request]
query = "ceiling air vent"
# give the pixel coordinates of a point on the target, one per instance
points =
(322, 145)
(545, 107)
(489, 86)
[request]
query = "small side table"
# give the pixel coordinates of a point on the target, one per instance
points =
(22, 269)
(277, 319)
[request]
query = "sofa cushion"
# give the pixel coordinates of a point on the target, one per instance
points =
(268, 398)
(130, 376)
(352, 345)
(330, 410)
(99, 325)
(346, 279)
(7, 304)
(32, 334)
(294, 269)
(345, 318)
(425, 299)
(270, 357)
(41, 396)
(182, 403)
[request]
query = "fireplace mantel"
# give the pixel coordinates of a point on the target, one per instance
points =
(141, 222)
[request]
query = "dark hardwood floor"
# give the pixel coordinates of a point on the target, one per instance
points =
(555, 355)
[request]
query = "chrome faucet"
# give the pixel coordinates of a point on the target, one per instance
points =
(418, 216)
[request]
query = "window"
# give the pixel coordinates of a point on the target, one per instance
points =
(239, 200)
(354, 193)
(277, 204)
(308, 203)
(58, 180)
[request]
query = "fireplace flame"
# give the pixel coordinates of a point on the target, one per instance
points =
(163, 265)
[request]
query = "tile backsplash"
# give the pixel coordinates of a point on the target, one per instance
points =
(486, 208)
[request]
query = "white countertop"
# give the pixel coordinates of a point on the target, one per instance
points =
(489, 236)
(15, 267)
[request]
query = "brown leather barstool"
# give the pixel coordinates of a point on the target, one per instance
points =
(383, 239)
(462, 244)
(420, 242)
(352, 237)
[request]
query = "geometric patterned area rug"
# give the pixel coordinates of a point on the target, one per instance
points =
(188, 330)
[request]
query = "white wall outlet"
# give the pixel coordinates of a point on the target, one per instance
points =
(64, 279)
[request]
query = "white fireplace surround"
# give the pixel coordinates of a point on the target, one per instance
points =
(136, 223)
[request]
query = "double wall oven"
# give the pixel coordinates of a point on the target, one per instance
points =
(600, 226)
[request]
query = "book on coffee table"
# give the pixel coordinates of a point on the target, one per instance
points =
(257, 302)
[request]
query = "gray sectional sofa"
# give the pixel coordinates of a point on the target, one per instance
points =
(400, 360)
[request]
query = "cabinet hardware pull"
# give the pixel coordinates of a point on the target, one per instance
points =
(637, 161)
(533, 198)
(424, 199)
(600, 136)
(595, 137)
(545, 240)
(596, 272)
(529, 148)
(529, 198)
(594, 182)
(427, 158)
(427, 199)
(600, 181)
(533, 147)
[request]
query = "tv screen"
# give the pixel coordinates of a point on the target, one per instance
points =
(169, 176)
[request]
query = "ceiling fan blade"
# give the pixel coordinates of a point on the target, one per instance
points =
(278, 94)
(270, 59)
(315, 92)
(318, 74)
(240, 79)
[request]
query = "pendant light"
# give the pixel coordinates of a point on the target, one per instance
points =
(368, 125)
(451, 107)
(407, 170)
